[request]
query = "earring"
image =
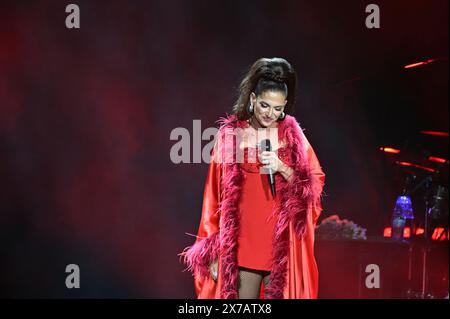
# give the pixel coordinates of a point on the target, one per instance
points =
(250, 109)
(282, 116)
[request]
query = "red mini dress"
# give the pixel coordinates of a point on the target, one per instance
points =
(256, 208)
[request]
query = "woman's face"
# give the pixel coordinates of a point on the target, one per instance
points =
(268, 107)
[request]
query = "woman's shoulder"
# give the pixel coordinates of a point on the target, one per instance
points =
(226, 120)
(290, 121)
(230, 125)
(231, 121)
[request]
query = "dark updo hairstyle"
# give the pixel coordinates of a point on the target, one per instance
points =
(275, 74)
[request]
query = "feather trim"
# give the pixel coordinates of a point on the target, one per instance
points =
(199, 256)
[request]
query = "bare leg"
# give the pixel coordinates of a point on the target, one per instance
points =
(266, 283)
(249, 283)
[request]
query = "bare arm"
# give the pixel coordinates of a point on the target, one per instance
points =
(286, 171)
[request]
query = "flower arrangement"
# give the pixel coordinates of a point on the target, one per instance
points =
(333, 227)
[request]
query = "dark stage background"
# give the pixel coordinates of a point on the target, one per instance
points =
(86, 115)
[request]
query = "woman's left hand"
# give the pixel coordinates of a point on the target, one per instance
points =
(271, 160)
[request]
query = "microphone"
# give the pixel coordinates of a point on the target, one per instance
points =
(267, 146)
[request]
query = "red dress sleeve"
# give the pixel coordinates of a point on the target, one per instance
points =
(318, 180)
(209, 223)
(205, 250)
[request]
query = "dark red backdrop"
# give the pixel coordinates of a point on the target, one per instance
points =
(85, 119)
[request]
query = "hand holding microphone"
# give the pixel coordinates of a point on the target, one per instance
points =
(271, 162)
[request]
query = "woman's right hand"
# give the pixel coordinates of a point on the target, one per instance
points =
(213, 269)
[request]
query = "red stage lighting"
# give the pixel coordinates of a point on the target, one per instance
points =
(413, 65)
(438, 159)
(389, 150)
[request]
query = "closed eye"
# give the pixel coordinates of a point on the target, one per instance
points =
(265, 106)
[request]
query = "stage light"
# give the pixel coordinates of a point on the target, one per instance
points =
(389, 150)
(438, 159)
(407, 232)
(414, 65)
(439, 234)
